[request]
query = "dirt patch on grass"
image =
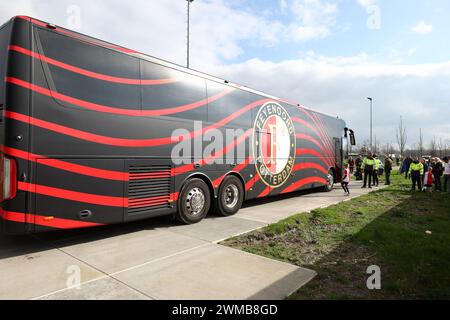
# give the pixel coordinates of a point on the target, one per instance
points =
(350, 263)
(405, 234)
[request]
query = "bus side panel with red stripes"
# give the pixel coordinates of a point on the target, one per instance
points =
(88, 132)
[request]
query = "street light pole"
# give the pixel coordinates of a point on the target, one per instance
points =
(371, 122)
(188, 30)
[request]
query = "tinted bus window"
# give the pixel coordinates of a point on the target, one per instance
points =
(177, 93)
(228, 104)
(87, 57)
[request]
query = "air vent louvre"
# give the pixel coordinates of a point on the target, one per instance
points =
(149, 188)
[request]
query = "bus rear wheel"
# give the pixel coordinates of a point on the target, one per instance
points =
(194, 201)
(230, 197)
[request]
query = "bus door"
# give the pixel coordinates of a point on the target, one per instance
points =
(338, 155)
(264, 160)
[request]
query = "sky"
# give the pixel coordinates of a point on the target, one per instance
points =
(327, 55)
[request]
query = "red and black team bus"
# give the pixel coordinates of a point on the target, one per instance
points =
(87, 136)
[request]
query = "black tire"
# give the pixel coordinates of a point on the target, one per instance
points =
(331, 180)
(193, 190)
(228, 202)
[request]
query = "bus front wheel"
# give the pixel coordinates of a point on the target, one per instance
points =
(330, 182)
(230, 197)
(194, 201)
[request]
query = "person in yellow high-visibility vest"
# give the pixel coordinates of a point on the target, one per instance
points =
(368, 167)
(375, 171)
(416, 172)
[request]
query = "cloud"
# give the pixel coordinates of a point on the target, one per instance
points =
(340, 85)
(412, 51)
(7, 10)
(221, 31)
(314, 19)
(422, 28)
(366, 3)
(283, 5)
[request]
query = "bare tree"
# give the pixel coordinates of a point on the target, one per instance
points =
(388, 148)
(420, 145)
(376, 146)
(433, 147)
(364, 147)
(402, 137)
(441, 148)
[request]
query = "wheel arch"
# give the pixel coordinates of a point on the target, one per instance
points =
(200, 176)
(334, 171)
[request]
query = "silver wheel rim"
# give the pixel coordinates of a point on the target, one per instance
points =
(330, 181)
(195, 201)
(231, 196)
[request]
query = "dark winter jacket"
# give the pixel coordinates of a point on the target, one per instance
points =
(388, 165)
(438, 169)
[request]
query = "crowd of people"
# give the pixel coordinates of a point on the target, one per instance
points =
(371, 168)
(427, 174)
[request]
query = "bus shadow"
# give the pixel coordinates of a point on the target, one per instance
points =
(271, 199)
(11, 246)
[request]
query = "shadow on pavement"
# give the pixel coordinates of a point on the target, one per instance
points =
(11, 246)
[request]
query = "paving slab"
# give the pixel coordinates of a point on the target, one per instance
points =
(101, 289)
(32, 275)
(216, 229)
(125, 251)
(217, 272)
(160, 260)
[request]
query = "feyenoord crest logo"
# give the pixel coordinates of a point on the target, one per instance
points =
(274, 144)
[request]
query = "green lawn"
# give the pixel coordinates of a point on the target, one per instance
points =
(406, 234)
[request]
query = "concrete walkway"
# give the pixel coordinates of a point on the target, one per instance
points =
(158, 259)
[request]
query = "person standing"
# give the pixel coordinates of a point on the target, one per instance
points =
(387, 169)
(438, 169)
(446, 173)
(428, 180)
(358, 164)
(351, 164)
(405, 167)
(346, 179)
(425, 168)
(368, 165)
(402, 167)
(375, 171)
(380, 168)
(416, 173)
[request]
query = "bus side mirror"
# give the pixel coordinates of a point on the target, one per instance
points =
(352, 139)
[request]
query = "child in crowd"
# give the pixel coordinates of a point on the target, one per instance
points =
(346, 180)
(428, 180)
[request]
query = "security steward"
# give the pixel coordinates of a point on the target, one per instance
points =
(416, 171)
(368, 166)
(375, 171)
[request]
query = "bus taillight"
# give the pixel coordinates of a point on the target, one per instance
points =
(9, 178)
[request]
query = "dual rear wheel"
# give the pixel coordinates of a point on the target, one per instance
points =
(195, 199)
